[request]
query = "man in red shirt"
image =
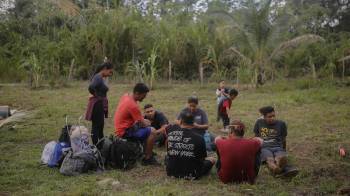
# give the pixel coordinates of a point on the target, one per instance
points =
(225, 106)
(130, 124)
(239, 158)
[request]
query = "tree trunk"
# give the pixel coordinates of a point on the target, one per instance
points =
(343, 74)
(170, 68)
(201, 73)
(71, 70)
(313, 69)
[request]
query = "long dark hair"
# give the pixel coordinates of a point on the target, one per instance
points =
(100, 67)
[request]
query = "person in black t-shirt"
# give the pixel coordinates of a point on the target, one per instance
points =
(158, 121)
(274, 133)
(186, 151)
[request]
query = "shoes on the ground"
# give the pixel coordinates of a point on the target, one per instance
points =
(289, 172)
(150, 161)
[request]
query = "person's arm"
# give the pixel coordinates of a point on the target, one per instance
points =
(162, 129)
(218, 92)
(256, 129)
(259, 140)
(198, 126)
(228, 111)
(205, 122)
(163, 121)
(178, 118)
(145, 122)
(138, 118)
(225, 94)
(225, 105)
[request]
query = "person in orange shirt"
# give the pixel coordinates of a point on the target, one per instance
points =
(130, 124)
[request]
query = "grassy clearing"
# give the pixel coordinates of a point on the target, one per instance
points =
(318, 120)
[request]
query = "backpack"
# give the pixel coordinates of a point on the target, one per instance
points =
(104, 146)
(48, 152)
(64, 136)
(124, 154)
(58, 154)
(79, 138)
(81, 162)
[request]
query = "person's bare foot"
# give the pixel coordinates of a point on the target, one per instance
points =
(281, 162)
(273, 166)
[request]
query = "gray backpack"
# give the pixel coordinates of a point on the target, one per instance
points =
(81, 162)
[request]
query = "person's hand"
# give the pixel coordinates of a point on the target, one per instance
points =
(159, 131)
(147, 122)
(211, 159)
(259, 139)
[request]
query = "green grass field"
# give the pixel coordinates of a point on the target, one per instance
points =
(318, 121)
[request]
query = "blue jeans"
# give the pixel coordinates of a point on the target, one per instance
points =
(272, 152)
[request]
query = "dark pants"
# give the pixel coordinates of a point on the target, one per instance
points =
(207, 165)
(98, 121)
(225, 119)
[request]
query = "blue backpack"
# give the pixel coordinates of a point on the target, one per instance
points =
(58, 154)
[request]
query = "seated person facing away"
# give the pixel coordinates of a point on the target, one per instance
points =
(186, 153)
(200, 117)
(274, 133)
(225, 106)
(238, 158)
(158, 121)
(130, 124)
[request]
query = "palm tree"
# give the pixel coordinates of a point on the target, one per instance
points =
(259, 33)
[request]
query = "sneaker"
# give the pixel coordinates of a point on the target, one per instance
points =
(290, 172)
(150, 161)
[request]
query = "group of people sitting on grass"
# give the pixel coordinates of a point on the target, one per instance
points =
(188, 140)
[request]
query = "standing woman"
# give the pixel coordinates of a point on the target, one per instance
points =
(97, 109)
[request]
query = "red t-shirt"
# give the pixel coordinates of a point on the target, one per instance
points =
(237, 159)
(126, 114)
(226, 104)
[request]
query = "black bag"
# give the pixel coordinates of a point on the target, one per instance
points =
(104, 146)
(64, 137)
(124, 154)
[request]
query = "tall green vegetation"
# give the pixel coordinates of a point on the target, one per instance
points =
(246, 41)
